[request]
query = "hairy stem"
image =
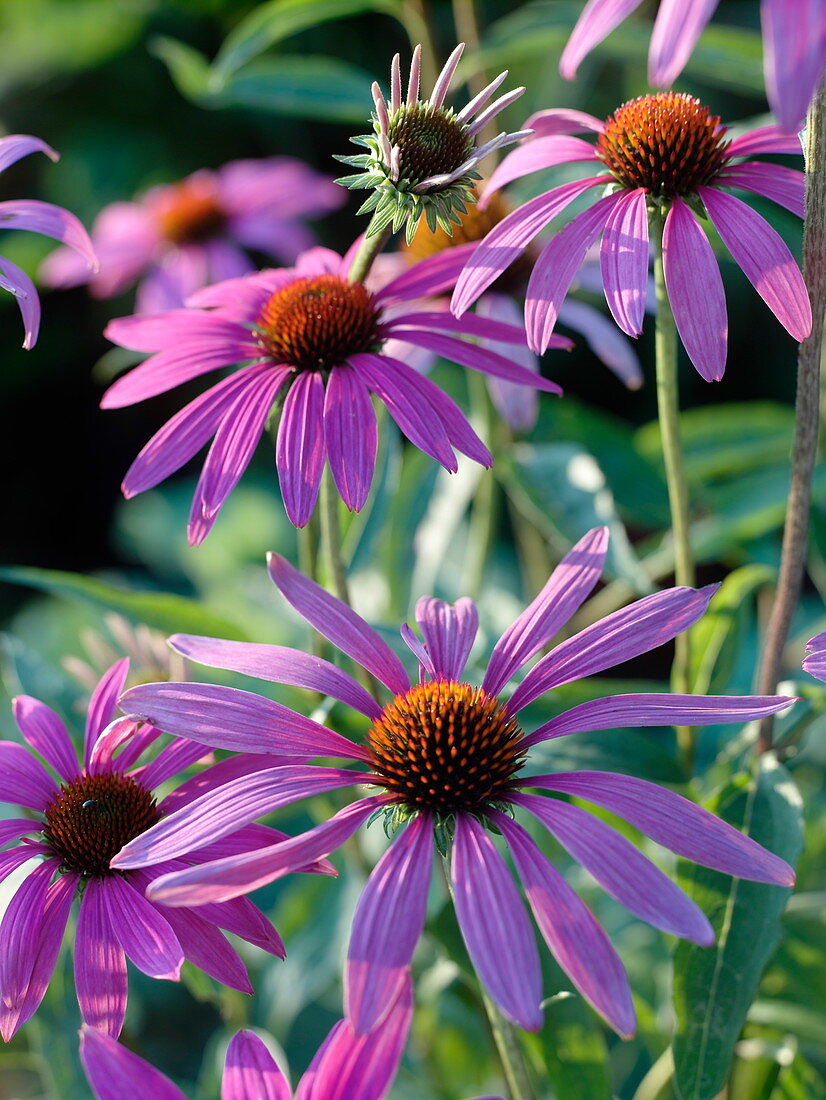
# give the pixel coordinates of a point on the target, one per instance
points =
(370, 247)
(509, 1051)
(804, 450)
(668, 405)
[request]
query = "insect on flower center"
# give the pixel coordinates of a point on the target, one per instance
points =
(315, 323)
(668, 143)
(90, 819)
(446, 747)
(189, 212)
(430, 140)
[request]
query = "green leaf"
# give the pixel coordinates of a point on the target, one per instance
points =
(713, 988)
(571, 1051)
(717, 637)
(302, 87)
(162, 610)
(187, 66)
(562, 490)
(279, 19)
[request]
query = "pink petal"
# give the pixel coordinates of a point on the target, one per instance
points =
(534, 155)
(815, 662)
(677, 28)
(794, 53)
(13, 279)
(46, 733)
(785, 186)
(51, 221)
(20, 934)
(116, 1073)
(695, 291)
(556, 268)
(15, 146)
(433, 275)
(145, 935)
(567, 588)
(596, 22)
(207, 948)
(170, 760)
(250, 1072)
(387, 925)
(624, 261)
(300, 450)
(100, 963)
(766, 139)
(101, 709)
(23, 780)
(339, 624)
(518, 405)
(279, 665)
(764, 258)
(350, 435)
(495, 926)
(161, 331)
(471, 324)
(575, 938)
(168, 369)
(449, 631)
(563, 120)
(480, 359)
(602, 337)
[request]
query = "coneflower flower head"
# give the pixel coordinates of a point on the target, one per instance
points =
(422, 156)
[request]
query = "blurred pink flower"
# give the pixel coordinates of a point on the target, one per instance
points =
(446, 756)
(666, 154)
(38, 217)
(815, 663)
(83, 818)
(179, 237)
(794, 45)
(315, 341)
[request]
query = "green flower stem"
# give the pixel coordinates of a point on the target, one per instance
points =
(804, 450)
(668, 404)
(331, 538)
(371, 246)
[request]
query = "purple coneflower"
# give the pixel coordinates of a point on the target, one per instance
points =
(518, 405)
(37, 217)
(346, 1066)
(794, 45)
(447, 755)
(669, 158)
(181, 236)
(313, 342)
(74, 825)
(423, 156)
(815, 662)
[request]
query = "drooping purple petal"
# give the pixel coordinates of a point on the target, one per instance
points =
(23, 780)
(46, 733)
(300, 449)
(620, 869)
(350, 436)
(250, 1073)
(173, 758)
(102, 704)
(646, 709)
(339, 624)
(556, 268)
(449, 631)
(596, 22)
(15, 146)
(246, 920)
(206, 947)
(766, 139)
(785, 186)
(635, 629)
(235, 441)
(144, 934)
(495, 926)
(278, 664)
(470, 324)
(13, 828)
(403, 392)
(794, 54)
(224, 771)
(51, 221)
(100, 963)
(480, 358)
(228, 718)
(678, 26)
(433, 275)
(624, 261)
(534, 155)
(764, 258)
(220, 812)
(225, 879)
(674, 822)
(20, 931)
(15, 280)
(695, 291)
(20, 854)
(566, 589)
(815, 662)
(508, 240)
(116, 1073)
(387, 925)
(575, 937)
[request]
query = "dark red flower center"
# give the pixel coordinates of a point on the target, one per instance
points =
(446, 747)
(430, 140)
(90, 819)
(189, 212)
(315, 323)
(475, 225)
(668, 143)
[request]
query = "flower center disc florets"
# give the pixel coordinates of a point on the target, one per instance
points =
(446, 747)
(431, 141)
(190, 213)
(91, 818)
(668, 143)
(315, 323)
